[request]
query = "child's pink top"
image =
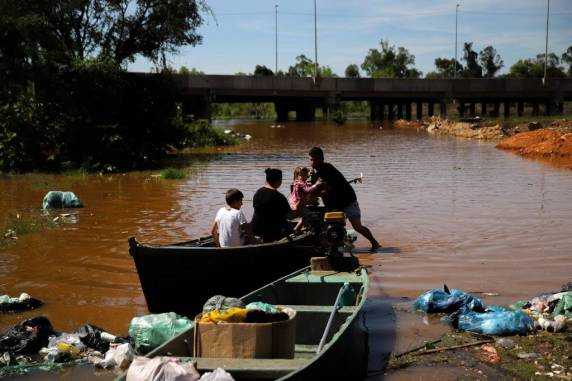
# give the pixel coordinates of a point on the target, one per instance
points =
(299, 191)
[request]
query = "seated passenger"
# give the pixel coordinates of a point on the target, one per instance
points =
(271, 209)
(230, 223)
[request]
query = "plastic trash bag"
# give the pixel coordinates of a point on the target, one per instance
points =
(494, 322)
(63, 348)
(220, 302)
(150, 331)
(564, 306)
(96, 338)
(24, 302)
(161, 369)
(59, 199)
(447, 301)
(118, 355)
(27, 337)
(266, 307)
(218, 374)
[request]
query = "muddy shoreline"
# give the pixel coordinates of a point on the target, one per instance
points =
(548, 141)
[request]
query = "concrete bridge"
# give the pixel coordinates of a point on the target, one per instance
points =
(388, 98)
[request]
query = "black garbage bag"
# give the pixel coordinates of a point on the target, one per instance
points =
(27, 337)
(25, 305)
(90, 335)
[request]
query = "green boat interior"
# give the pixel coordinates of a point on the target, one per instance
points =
(313, 295)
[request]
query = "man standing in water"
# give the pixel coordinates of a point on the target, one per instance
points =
(339, 194)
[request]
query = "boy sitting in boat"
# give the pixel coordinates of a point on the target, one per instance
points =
(230, 223)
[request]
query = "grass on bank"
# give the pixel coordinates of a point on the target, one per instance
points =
(174, 173)
(15, 226)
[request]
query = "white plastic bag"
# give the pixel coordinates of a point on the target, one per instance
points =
(118, 355)
(161, 369)
(218, 374)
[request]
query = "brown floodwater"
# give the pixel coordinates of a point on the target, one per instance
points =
(446, 210)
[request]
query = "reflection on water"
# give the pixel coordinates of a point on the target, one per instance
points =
(445, 210)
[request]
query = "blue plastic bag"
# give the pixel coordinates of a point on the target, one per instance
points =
(447, 301)
(59, 199)
(496, 321)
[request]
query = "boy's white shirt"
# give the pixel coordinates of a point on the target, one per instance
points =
(228, 222)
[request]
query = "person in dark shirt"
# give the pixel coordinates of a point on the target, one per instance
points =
(338, 194)
(271, 209)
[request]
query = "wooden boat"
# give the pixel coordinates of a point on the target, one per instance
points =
(313, 294)
(181, 277)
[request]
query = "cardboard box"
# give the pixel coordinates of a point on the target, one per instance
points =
(246, 340)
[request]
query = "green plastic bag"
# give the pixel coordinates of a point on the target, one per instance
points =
(564, 306)
(150, 331)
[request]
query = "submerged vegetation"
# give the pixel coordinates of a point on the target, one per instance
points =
(15, 226)
(173, 173)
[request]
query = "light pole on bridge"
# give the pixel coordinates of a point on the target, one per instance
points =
(456, 23)
(315, 43)
(276, 37)
(546, 46)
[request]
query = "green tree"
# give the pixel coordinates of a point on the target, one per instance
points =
(445, 68)
(115, 30)
(352, 71)
(473, 69)
(490, 61)
(305, 67)
(567, 57)
(192, 71)
(534, 67)
(390, 62)
(263, 71)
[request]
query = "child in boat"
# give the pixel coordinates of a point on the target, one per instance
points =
(302, 192)
(230, 223)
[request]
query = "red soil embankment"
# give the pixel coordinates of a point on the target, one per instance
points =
(540, 143)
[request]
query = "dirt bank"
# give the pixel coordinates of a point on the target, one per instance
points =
(551, 142)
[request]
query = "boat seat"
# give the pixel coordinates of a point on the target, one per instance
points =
(251, 368)
(325, 277)
(311, 308)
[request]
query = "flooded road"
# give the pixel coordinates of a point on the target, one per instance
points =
(445, 210)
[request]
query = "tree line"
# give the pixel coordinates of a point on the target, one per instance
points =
(389, 61)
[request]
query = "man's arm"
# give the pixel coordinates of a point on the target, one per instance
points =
(214, 233)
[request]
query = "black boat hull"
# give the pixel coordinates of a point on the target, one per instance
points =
(180, 278)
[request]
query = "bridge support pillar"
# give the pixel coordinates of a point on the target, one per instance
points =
(535, 109)
(549, 105)
(506, 109)
(430, 108)
(390, 111)
(281, 111)
(484, 108)
(376, 110)
(408, 111)
(419, 111)
(198, 106)
(560, 107)
(497, 109)
(472, 109)
(443, 108)
(520, 108)
(305, 112)
(400, 110)
(462, 109)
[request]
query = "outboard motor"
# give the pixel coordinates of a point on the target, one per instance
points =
(333, 237)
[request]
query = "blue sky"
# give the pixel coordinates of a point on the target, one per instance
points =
(243, 33)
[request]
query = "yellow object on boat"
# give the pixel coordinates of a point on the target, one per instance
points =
(339, 217)
(229, 315)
